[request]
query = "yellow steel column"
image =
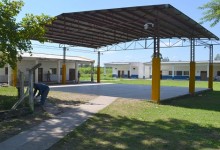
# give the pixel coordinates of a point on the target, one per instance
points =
(64, 66)
(155, 93)
(210, 76)
(192, 67)
(14, 76)
(192, 78)
(98, 74)
(64, 74)
(98, 68)
(210, 83)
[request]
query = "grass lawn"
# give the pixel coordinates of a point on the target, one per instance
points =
(186, 123)
(8, 97)
(181, 83)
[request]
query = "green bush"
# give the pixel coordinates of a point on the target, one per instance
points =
(85, 73)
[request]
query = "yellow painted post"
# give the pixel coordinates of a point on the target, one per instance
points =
(98, 74)
(98, 68)
(155, 95)
(192, 78)
(64, 74)
(14, 76)
(210, 84)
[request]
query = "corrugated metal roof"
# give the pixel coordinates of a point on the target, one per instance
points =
(99, 28)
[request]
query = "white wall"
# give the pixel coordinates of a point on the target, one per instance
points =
(3, 76)
(46, 65)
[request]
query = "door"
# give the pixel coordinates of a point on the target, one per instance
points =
(71, 74)
(203, 75)
(129, 74)
(119, 74)
(122, 74)
(40, 74)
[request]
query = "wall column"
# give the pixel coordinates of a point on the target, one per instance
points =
(92, 72)
(14, 76)
(210, 83)
(98, 68)
(129, 69)
(192, 67)
(64, 66)
(9, 75)
(155, 91)
(76, 72)
(36, 72)
(58, 71)
(173, 72)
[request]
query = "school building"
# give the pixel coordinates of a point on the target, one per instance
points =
(51, 65)
(126, 69)
(169, 70)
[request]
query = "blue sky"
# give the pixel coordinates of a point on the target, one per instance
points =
(56, 7)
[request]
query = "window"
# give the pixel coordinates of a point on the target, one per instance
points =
(53, 70)
(170, 73)
(185, 73)
(218, 73)
(179, 73)
(6, 70)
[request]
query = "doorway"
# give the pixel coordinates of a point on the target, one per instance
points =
(119, 74)
(40, 74)
(72, 74)
(129, 76)
(203, 75)
(122, 74)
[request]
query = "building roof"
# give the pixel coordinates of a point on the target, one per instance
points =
(123, 63)
(117, 63)
(184, 62)
(100, 28)
(40, 56)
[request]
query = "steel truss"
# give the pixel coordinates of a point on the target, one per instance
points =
(148, 43)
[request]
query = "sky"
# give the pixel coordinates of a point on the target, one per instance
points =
(56, 7)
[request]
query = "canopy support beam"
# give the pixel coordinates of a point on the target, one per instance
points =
(64, 66)
(155, 95)
(210, 83)
(192, 67)
(98, 68)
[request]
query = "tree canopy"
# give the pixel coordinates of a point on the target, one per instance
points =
(217, 57)
(211, 13)
(15, 37)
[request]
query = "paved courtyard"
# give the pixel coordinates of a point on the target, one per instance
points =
(123, 90)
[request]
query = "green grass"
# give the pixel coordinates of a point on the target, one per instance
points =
(8, 97)
(185, 123)
(191, 123)
(181, 83)
(87, 77)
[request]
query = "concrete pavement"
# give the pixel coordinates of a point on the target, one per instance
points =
(125, 90)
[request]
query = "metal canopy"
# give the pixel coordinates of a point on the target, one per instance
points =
(99, 28)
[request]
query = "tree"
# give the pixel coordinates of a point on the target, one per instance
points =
(165, 59)
(217, 57)
(212, 13)
(15, 37)
(160, 55)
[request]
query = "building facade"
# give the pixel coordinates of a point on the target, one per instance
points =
(126, 69)
(175, 70)
(181, 69)
(51, 66)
